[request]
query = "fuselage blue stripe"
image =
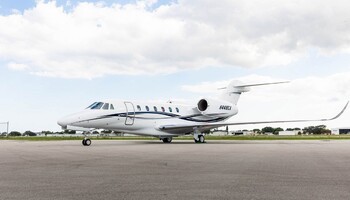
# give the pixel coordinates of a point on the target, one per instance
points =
(170, 115)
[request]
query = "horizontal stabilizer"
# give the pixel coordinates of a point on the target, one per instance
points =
(261, 84)
(252, 85)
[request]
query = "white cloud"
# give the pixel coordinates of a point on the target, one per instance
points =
(92, 40)
(17, 66)
(305, 98)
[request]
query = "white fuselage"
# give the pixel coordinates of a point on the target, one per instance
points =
(144, 118)
(167, 120)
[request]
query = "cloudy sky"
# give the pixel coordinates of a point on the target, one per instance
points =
(56, 57)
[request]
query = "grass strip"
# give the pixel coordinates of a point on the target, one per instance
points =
(208, 137)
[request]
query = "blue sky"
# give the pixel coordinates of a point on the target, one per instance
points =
(32, 101)
(7, 6)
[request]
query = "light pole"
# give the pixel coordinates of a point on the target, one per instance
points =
(7, 126)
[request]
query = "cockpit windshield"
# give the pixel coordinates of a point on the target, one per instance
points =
(90, 106)
(99, 105)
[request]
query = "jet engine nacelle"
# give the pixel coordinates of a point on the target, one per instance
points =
(214, 107)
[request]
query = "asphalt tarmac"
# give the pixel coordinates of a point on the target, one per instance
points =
(180, 170)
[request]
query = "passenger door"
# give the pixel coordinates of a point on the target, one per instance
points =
(130, 113)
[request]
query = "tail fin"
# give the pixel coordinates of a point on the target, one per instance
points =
(234, 90)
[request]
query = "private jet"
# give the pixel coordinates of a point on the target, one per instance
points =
(167, 120)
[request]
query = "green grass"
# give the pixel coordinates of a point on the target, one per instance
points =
(259, 137)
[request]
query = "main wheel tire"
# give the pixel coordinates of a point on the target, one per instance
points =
(201, 139)
(167, 140)
(87, 142)
(196, 141)
(83, 142)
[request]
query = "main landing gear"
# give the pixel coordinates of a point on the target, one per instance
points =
(198, 137)
(167, 139)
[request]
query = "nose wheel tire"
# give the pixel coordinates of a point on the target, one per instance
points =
(86, 142)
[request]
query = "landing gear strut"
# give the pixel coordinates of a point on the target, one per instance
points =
(167, 140)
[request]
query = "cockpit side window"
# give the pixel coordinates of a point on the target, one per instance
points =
(97, 106)
(106, 106)
(112, 107)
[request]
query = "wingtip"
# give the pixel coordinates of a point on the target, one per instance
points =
(342, 111)
(346, 105)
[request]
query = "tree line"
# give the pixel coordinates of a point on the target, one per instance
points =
(31, 133)
(314, 130)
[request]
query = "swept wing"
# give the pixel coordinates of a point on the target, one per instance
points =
(176, 128)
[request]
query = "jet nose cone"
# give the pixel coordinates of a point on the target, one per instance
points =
(71, 120)
(62, 122)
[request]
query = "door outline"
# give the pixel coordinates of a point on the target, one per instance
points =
(130, 113)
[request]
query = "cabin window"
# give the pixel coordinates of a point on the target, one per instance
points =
(163, 110)
(97, 106)
(138, 107)
(155, 109)
(177, 110)
(170, 109)
(147, 108)
(112, 107)
(106, 106)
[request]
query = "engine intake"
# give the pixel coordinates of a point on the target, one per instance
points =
(209, 106)
(202, 105)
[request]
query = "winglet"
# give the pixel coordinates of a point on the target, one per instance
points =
(341, 112)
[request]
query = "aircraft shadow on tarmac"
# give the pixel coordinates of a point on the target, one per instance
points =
(189, 142)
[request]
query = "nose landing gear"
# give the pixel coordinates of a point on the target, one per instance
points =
(86, 142)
